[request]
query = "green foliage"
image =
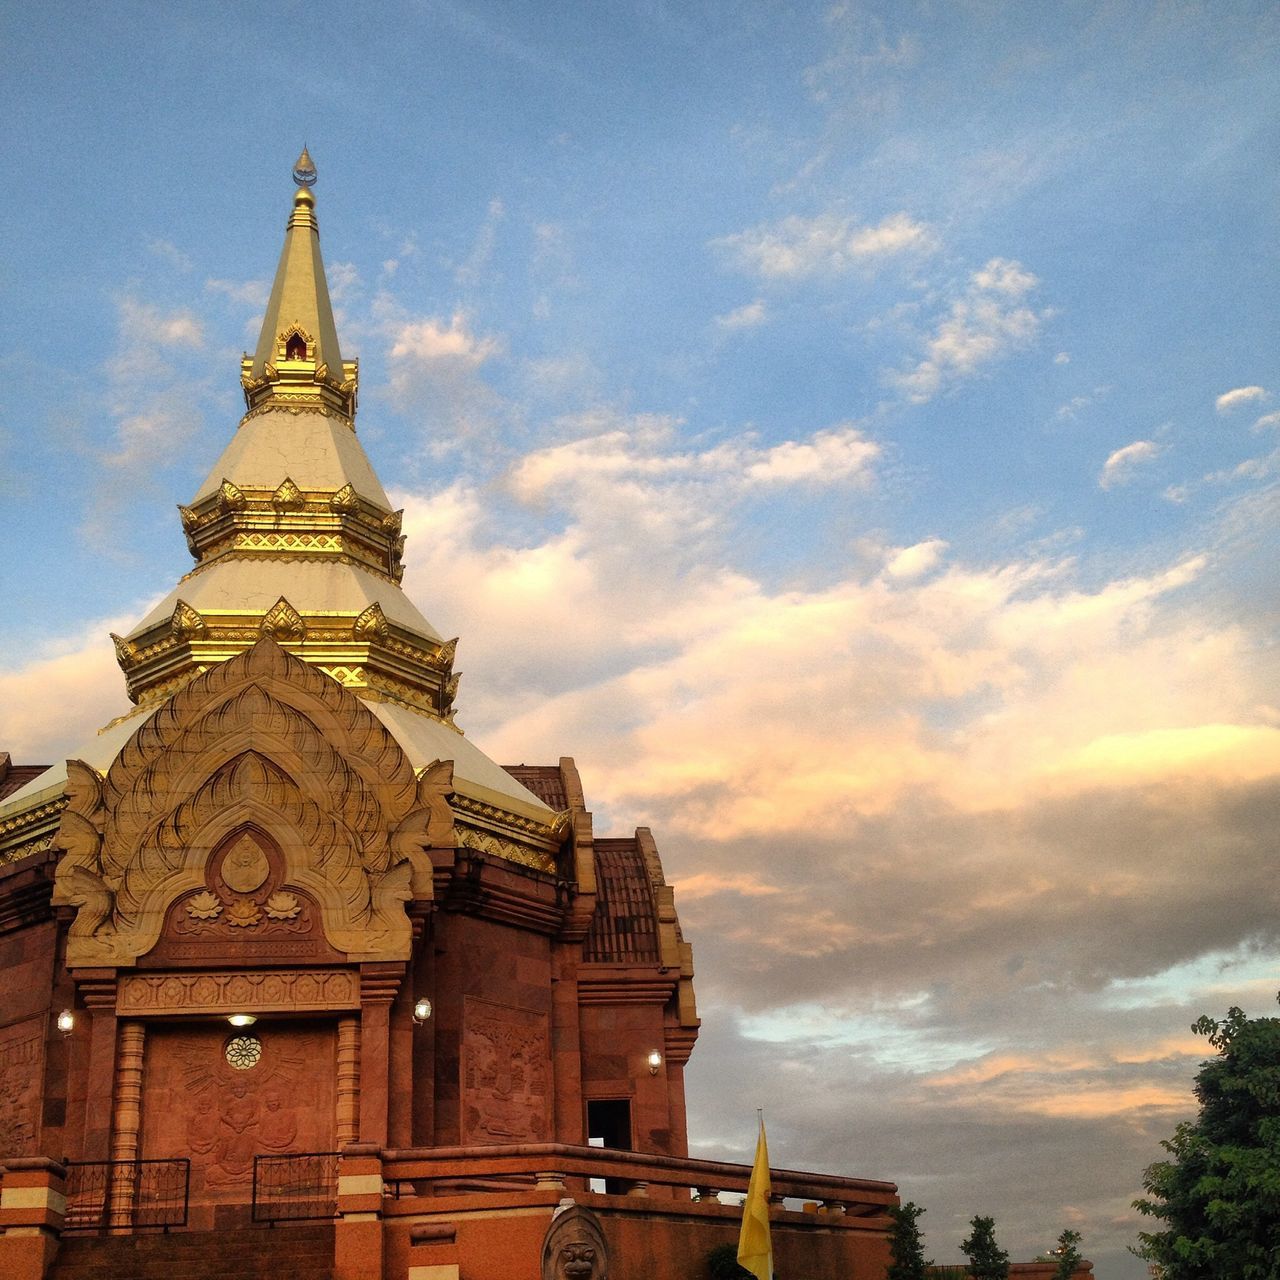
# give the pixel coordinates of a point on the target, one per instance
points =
(1067, 1255)
(722, 1264)
(1219, 1195)
(987, 1261)
(905, 1244)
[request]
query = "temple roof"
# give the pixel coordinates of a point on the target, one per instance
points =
(294, 538)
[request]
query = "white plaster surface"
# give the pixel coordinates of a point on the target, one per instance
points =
(425, 739)
(311, 449)
(98, 752)
(241, 585)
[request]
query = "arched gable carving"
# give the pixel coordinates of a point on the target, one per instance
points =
(264, 741)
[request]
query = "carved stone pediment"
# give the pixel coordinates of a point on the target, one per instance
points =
(263, 745)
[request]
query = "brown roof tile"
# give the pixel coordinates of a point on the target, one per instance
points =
(13, 776)
(544, 780)
(624, 928)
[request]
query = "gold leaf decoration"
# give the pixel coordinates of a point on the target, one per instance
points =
(288, 497)
(189, 517)
(345, 499)
(283, 622)
(446, 653)
(186, 622)
(230, 496)
(282, 906)
(371, 623)
(126, 650)
(204, 906)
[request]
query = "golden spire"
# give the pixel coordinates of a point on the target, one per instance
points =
(297, 360)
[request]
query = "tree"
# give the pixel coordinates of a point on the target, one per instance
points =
(1067, 1255)
(987, 1260)
(906, 1248)
(1219, 1195)
(722, 1264)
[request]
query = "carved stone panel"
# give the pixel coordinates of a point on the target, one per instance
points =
(221, 1096)
(506, 1074)
(262, 807)
(250, 992)
(21, 1066)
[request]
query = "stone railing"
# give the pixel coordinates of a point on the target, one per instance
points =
(557, 1167)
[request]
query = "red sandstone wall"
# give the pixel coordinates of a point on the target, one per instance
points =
(33, 1054)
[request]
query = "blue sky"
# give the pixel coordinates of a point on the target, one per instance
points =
(850, 430)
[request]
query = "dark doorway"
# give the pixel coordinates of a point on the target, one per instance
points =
(609, 1125)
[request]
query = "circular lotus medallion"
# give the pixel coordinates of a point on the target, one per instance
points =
(243, 1052)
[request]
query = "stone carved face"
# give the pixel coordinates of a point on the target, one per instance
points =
(575, 1247)
(576, 1261)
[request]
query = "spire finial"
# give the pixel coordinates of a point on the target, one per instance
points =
(304, 169)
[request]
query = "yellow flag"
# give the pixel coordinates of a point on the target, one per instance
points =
(755, 1249)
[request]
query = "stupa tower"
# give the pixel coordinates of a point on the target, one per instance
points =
(292, 533)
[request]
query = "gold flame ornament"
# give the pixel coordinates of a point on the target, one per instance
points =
(304, 170)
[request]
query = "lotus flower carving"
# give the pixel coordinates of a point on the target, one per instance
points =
(282, 906)
(204, 906)
(243, 913)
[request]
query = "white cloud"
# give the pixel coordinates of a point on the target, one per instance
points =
(473, 269)
(985, 323)
(1119, 466)
(1267, 420)
(143, 324)
(343, 279)
(1233, 399)
(828, 244)
(909, 563)
(747, 316)
(433, 339)
(637, 460)
(1062, 358)
(250, 293)
(170, 252)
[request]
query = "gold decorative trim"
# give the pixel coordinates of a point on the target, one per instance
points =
(504, 817)
(273, 406)
(288, 497)
(508, 850)
(32, 817)
(283, 622)
(19, 851)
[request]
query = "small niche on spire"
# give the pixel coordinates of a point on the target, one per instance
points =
(295, 348)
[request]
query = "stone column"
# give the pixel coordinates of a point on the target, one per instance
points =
(98, 993)
(357, 1235)
(126, 1122)
(348, 1130)
(32, 1208)
(378, 986)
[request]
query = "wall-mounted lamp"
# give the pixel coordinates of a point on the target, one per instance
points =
(655, 1061)
(66, 1022)
(421, 1011)
(242, 1019)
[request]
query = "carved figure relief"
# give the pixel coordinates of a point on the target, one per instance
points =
(506, 1066)
(209, 1095)
(261, 797)
(574, 1247)
(21, 1059)
(244, 900)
